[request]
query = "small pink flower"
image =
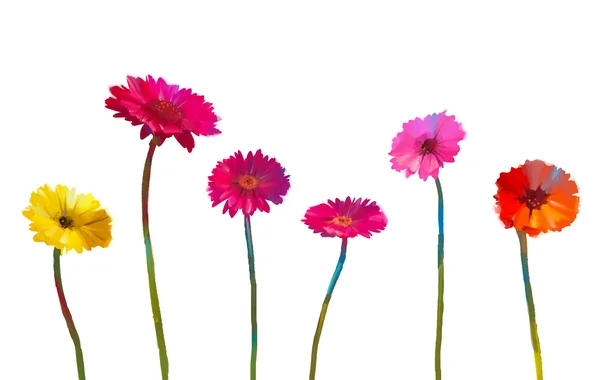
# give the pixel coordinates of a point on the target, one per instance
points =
(424, 145)
(248, 183)
(346, 219)
(163, 110)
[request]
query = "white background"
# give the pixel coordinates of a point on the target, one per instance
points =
(323, 87)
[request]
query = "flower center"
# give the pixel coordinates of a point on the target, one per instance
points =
(248, 182)
(167, 111)
(534, 199)
(343, 221)
(65, 222)
(428, 146)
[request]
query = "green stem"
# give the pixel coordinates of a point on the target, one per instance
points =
(67, 315)
(334, 279)
(248, 231)
(535, 339)
(160, 335)
(440, 301)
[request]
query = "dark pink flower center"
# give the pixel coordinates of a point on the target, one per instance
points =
(343, 221)
(428, 146)
(248, 182)
(167, 111)
(534, 199)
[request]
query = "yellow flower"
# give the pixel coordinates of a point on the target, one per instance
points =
(66, 220)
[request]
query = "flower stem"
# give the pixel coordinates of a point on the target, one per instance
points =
(67, 315)
(440, 302)
(535, 339)
(248, 231)
(336, 275)
(160, 336)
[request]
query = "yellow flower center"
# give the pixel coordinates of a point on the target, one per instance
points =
(65, 222)
(248, 182)
(167, 110)
(343, 221)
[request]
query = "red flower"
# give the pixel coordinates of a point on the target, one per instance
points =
(536, 197)
(248, 183)
(164, 110)
(346, 219)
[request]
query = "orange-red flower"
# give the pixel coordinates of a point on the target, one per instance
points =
(536, 197)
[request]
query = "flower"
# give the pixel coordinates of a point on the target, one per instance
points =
(424, 145)
(248, 183)
(536, 197)
(346, 219)
(66, 220)
(164, 110)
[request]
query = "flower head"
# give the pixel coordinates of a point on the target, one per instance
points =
(163, 110)
(424, 145)
(346, 219)
(66, 220)
(248, 183)
(536, 197)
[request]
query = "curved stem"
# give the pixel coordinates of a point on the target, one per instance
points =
(336, 275)
(160, 336)
(67, 315)
(440, 301)
(535, 339)
(248, 231)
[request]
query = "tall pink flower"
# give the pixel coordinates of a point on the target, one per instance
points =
(424, 145)
(248, 183)
(163, 110)
(345, 219)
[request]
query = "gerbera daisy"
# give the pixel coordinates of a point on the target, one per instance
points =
(424, 145)
(344, 219)
(66, 220)
(247, 184)
(163, 110)
(535, 198)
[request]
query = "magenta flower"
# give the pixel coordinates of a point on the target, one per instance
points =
(248, 183)
(164, 110)
(424, 145)
(345, 219)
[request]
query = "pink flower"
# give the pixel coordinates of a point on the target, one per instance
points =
(345, 219)
(248, 183)
(163, 110)
(425, 145)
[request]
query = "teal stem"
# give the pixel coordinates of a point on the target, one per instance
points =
(158, 327)
(440, 301)
(248, 231)
(334, 279)
(67, 314)
(535, 339)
